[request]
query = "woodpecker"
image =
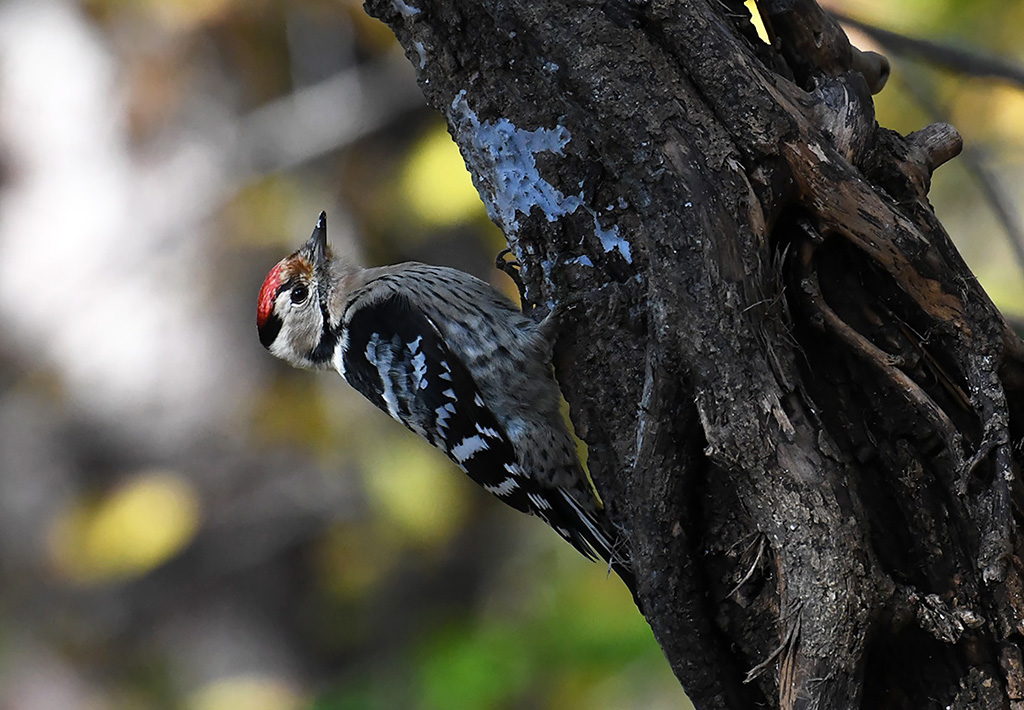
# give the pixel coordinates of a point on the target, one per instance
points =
(452, 359)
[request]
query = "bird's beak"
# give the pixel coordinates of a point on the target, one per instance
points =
(317, 246)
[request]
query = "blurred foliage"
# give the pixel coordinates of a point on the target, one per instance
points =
(265, 539)
(129, 531)
(249, 692)
(435, 184)
(416, 493)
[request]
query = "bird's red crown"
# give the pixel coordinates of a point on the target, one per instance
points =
(267, 295)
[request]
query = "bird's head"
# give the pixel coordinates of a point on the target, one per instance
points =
(293, 312)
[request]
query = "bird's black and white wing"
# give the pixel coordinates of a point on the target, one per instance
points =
(395, 356)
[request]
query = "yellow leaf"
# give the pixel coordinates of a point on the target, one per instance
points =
(249, 692)
(436, 184)
(134, 528)
(755, 19)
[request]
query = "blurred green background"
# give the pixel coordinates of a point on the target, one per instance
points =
(186, 522)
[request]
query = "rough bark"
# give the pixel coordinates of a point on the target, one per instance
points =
(799, 403)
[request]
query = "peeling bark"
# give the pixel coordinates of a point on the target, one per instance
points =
(798, 401)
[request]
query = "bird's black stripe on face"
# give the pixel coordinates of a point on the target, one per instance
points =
(324, 350)
(269, 330)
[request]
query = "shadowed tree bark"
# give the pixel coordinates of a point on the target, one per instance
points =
(799, 404)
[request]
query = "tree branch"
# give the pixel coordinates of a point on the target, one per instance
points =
(962, 61)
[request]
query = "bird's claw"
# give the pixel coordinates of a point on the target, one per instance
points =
(511, 268)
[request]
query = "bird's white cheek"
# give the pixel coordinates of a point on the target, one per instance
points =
(292, 343)
(281, 348)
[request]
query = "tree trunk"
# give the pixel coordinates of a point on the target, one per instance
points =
(799, 403)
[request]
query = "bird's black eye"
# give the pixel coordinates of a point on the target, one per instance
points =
(299, 294)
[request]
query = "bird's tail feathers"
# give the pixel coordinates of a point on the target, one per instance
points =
(594, 538)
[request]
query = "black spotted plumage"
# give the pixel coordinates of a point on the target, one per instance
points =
(395, 357)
